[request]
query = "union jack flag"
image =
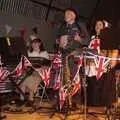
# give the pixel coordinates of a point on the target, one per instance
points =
(101, 65)
(23, 64)
(76, 82)
(45, 75)
(3, 73)
(4, 81)
(57, 62)
(57, 84)
(62, 96)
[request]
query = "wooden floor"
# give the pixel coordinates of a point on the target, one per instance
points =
(48, 114)
(36, 116)
(57, 116)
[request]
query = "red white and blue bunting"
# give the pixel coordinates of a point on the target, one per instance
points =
(101, 64)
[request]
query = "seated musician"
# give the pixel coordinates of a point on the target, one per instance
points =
(31, 77)
(37, 49)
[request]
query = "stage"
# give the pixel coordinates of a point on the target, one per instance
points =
(57, 116)
(45, 111)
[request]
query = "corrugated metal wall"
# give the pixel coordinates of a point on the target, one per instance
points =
(30, 13)
(34, 8)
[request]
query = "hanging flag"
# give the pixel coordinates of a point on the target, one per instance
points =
(101, 65)
(57, 62)
(26, 62)
(19, 69)
(23, 64)
(76, 82)
(62, 96)
(3, 73)
(57, 84)
(45, 75)
(4, 81)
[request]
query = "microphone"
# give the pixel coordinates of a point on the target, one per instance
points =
(8, 41)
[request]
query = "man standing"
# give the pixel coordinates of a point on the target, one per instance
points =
(72, 34)
(72, 37)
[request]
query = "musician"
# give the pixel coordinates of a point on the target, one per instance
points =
(97, 90)
(72, 33)
(71, 38)
(95, 39)
(37, 49)
(100, 26)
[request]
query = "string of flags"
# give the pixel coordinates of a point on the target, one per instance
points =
(101, 64)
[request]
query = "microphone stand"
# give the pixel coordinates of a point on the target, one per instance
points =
(84, 84)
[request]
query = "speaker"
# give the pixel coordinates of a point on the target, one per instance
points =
(14, 50)
(110, 39)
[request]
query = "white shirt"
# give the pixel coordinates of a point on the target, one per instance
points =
(91, 70)
(43, 54)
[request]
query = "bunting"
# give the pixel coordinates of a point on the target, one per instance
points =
(76, 82)
(101, 65)
(57, 62)
(62, 96)
(3, 73)
(57, 84)
(23, 64)
(45, 75)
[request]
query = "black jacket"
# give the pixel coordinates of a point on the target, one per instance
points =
(71, 29)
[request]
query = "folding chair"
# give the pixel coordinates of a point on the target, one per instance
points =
(44, 93)
(42, 86)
